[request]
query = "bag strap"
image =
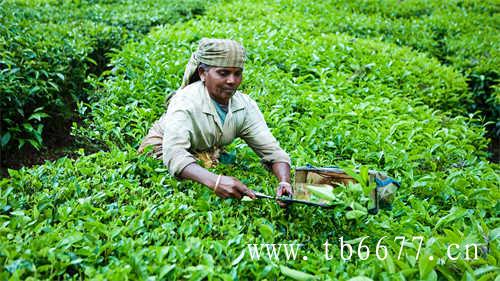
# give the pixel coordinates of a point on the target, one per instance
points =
(387, 181)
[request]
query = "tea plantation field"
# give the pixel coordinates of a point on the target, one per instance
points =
(382, 84)
(50, 48)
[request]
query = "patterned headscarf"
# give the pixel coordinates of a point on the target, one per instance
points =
(214, 52)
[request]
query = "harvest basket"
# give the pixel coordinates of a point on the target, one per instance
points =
(326, 178)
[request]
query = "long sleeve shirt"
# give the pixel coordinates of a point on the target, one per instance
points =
(191, 124)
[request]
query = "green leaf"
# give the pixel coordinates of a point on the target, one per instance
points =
(89, 59)
(246, 199)
(239, 258)
(69, 240)
(360, 278)
(54, 85)
(389, 264)
(17, 213)
(5, 139)
(355, 175)
(38, 116)
(355, 214)
(34, 90)
(28, 127)
(494, 234)
(36, 144)
(165, 270)
(488, 268)
(426, 267)
(266, 231)
(324, 191)
(22, 142)
(295, 274)
(365, 177)
(454, 214)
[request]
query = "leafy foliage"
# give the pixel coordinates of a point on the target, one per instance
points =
(463, 34)
(49, 49)
(329, 98)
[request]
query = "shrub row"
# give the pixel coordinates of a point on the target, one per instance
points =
(328, 98)
(284, 71)
(463, 34)
(355, 100)
(49, 48)
(117, 215)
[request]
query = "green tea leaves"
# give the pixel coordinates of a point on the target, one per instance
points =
(454, 214)
(382, 85)
(239, 258)
(360, 278)
(295, 274)
(266, 231)
(355, 214)
(322, 191)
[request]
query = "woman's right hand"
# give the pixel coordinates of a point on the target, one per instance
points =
(230, 187)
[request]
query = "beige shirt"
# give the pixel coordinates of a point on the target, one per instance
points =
(191, 124)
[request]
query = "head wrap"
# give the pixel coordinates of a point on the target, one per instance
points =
(214, 52)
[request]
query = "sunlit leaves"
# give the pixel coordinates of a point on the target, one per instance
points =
(329, 98)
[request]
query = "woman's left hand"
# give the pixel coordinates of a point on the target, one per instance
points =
(284, 189)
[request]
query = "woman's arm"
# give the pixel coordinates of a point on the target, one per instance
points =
(258, 136)
(227, 186)
(282, 172)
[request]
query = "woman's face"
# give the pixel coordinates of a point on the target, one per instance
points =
(222, 82)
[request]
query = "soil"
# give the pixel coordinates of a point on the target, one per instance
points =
(57, 146)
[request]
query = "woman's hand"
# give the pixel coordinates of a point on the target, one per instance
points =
(230, 187)
(284, 189)
(282, 172)
(223, 186)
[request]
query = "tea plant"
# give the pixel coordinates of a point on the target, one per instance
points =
(463, 34)
(49, 49)
(329, 98)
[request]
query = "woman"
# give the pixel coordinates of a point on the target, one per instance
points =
(207, 113)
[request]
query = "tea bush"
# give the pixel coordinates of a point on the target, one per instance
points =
(114, 215)
(329, 99)
(284, 68)
(463, 34)
(48, 50)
